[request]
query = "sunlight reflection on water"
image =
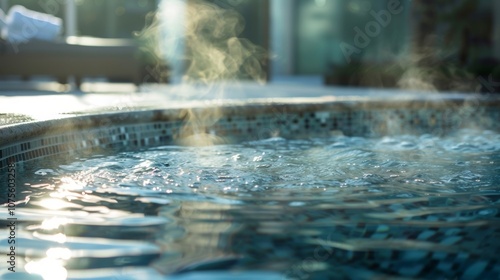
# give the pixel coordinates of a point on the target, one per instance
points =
(381, 205)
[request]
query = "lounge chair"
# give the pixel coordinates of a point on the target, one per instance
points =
(80, 57)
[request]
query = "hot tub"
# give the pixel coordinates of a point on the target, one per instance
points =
(346, 187)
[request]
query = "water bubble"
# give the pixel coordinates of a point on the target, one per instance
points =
(236, 157)
(257, 159)
(297, 203)
(338, 145)
(43, 172)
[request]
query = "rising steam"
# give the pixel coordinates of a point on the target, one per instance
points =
(214, 51)
(203, 39)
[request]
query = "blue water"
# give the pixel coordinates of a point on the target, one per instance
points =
(332, 208)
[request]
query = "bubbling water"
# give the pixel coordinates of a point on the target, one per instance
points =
(323, 208)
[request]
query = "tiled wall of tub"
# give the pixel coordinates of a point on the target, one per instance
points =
(232, 124)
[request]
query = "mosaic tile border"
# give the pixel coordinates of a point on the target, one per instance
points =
(233, 123)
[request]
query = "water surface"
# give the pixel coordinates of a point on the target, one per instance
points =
(331, 208)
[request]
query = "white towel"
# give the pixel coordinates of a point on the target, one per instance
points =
(23, 25)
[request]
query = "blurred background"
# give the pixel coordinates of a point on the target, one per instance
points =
(438, 45)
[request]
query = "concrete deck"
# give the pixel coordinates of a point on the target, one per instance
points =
(33, 101)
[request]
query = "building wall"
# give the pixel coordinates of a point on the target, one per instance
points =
(317, 33)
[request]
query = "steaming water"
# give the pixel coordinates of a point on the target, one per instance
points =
(338, 208)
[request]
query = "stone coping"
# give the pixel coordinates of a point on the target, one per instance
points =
(233, 121)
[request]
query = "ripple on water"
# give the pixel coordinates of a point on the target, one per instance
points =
(348, 207)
